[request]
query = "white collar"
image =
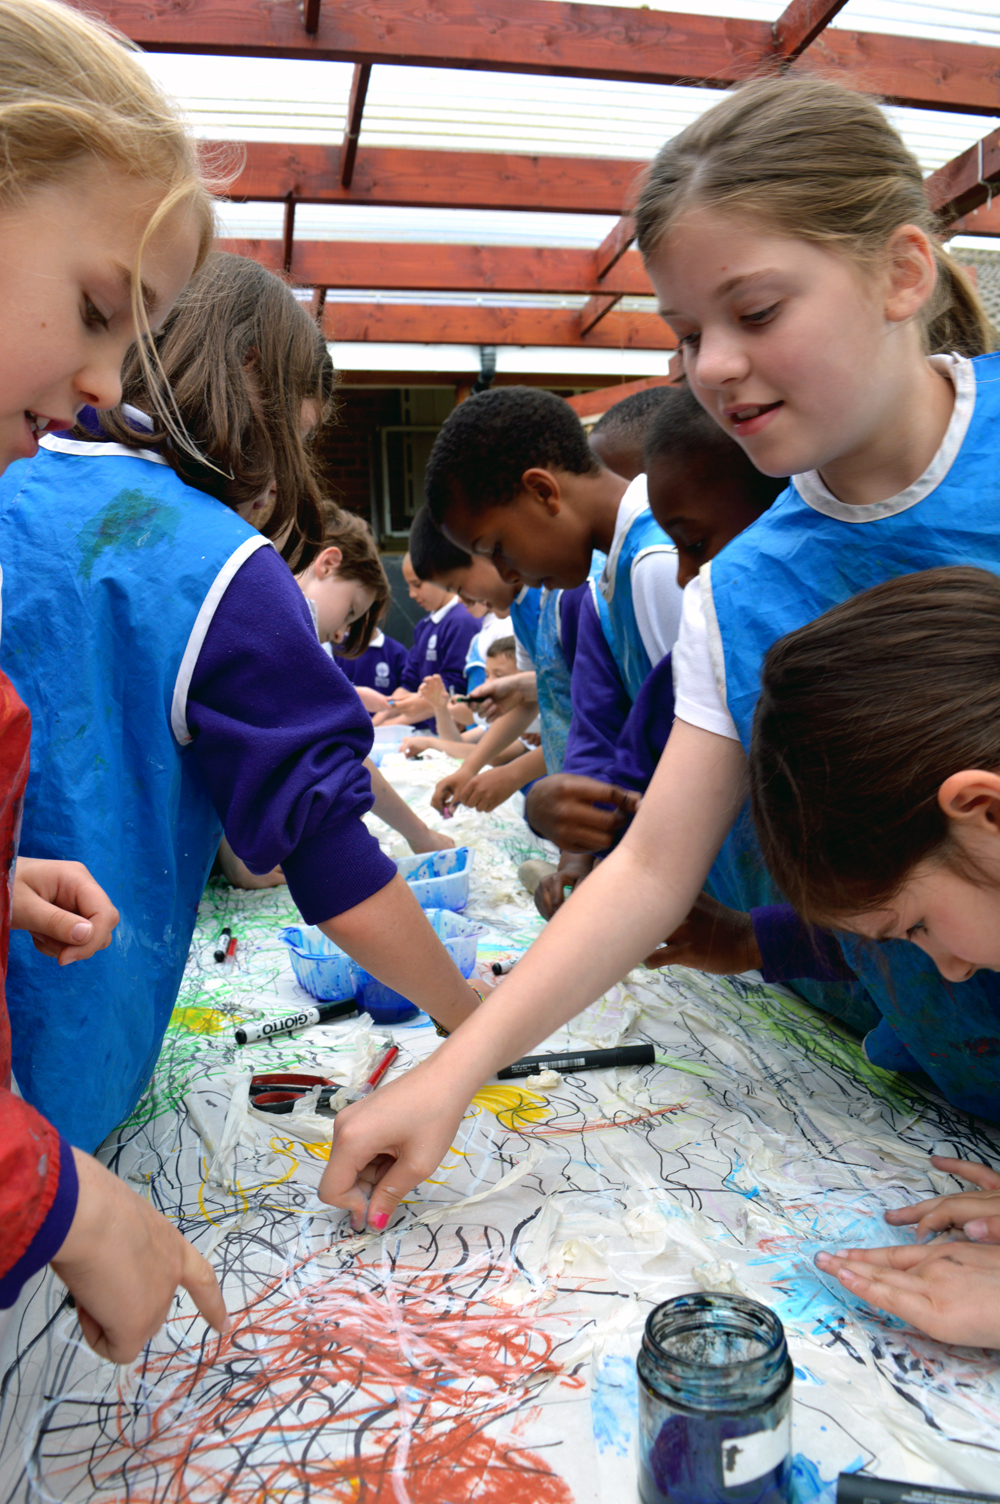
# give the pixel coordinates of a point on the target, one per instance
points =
(378, 638)
(634, 501)
(443, 610)
(961, 374)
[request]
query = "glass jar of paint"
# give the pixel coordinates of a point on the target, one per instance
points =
(715, 1403)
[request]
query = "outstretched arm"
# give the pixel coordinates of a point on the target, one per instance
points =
(642, 892)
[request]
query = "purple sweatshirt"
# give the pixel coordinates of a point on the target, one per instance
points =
(440, 646)
(379, 666)
(281, 737)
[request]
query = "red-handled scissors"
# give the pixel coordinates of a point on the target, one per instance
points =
(279, 1091)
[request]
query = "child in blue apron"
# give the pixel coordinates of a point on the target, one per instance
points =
(179, 688)
(99, 178)
(885, 823)
(788, 238)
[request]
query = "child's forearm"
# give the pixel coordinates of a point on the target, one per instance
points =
(393, 808)
(446, 726)
(389, 935)
(500, 735)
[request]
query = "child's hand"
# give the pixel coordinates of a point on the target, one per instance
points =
(68, 914)
(563, 808)
(371, 699)
(412, 746)
(951, 1291)
(489, 789)
(387, 1144)
(549, 895)
(122, 1262)
(448, 790)
(712, 938)
(434, 691)
(977, 1213)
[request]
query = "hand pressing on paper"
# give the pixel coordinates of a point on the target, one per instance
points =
(68, 914)
(387, 1144)
(489, 789)
(951, 1291)
(976, 1213)
(122, 1261)
(564, 808)
(713, 939)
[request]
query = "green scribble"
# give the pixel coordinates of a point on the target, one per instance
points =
(130, 521)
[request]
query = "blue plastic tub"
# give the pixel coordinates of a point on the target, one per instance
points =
(460, 936)
(321, 967)
(439, 879)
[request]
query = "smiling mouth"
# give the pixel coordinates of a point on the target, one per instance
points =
(40, 426)
(747, 413)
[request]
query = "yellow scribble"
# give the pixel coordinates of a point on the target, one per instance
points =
(318, 1151)
(512, 1106)
(199, 1020)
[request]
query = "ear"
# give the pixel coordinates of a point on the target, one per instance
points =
(911, 269)
(327, 562)
(972, 799)
(544, 486)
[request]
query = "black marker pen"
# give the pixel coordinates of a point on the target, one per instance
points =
(586, 1060)
(858, 1488)
(222, 942)
(321, 1014)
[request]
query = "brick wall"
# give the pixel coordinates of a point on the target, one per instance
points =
(346, 446)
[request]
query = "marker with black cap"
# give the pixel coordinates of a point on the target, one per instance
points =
(859, 1488)
(321, 1014)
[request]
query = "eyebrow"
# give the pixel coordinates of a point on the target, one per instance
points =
(733, 284)
(150, 299)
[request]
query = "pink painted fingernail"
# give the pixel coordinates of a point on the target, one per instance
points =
(378, 1221)
(977, 1230)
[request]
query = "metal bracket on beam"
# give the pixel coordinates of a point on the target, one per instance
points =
(288, 234)
(355, 110)
(310, 16)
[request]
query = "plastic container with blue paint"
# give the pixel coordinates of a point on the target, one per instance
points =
(715, 1403)
(439, 879)
(322, 968)
(460, 938)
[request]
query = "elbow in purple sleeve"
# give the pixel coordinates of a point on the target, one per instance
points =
(335, 870)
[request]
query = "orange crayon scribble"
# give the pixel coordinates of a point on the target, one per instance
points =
(345, 1390)
(599, 1125)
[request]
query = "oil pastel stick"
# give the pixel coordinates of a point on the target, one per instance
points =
(858, 1488)
(584, 1060)
(321, 1014)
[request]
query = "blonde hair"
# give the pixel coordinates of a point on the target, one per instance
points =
(817, 161)
(71, 88)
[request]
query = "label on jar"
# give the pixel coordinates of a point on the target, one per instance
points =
(745, 1458)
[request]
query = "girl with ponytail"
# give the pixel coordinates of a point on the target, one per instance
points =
(790, 245)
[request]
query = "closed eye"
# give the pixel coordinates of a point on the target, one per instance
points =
(762, 316)
(914, 928)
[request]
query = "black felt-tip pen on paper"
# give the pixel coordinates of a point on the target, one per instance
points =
(322, 1014)
(220, 945)
(857, 1488)
(584, 1060)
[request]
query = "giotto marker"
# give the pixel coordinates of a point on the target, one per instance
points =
(321, 1014)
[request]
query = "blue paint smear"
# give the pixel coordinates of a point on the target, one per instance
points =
(614, 1404)
(806, 1485)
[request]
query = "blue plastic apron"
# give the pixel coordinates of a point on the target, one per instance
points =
(112, 568)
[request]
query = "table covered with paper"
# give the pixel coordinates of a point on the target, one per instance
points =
(483, 1347)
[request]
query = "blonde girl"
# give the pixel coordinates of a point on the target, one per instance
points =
(788, 239)
(103, 219)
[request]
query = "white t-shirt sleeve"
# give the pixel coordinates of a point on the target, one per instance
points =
(656, 600)
(697, 696)
(522, 658)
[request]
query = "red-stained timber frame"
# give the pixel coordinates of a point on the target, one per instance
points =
(418, 323)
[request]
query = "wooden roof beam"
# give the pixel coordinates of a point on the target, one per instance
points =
(407, 266)
(452, 324)
(983, 221)
(352, 130)
(800, 23)
(967, 181)
(405, 178)
(561, 39)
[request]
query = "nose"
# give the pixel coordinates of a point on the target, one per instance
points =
(953, 968)
(99, 382)
(507, 573)
(718, 360)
